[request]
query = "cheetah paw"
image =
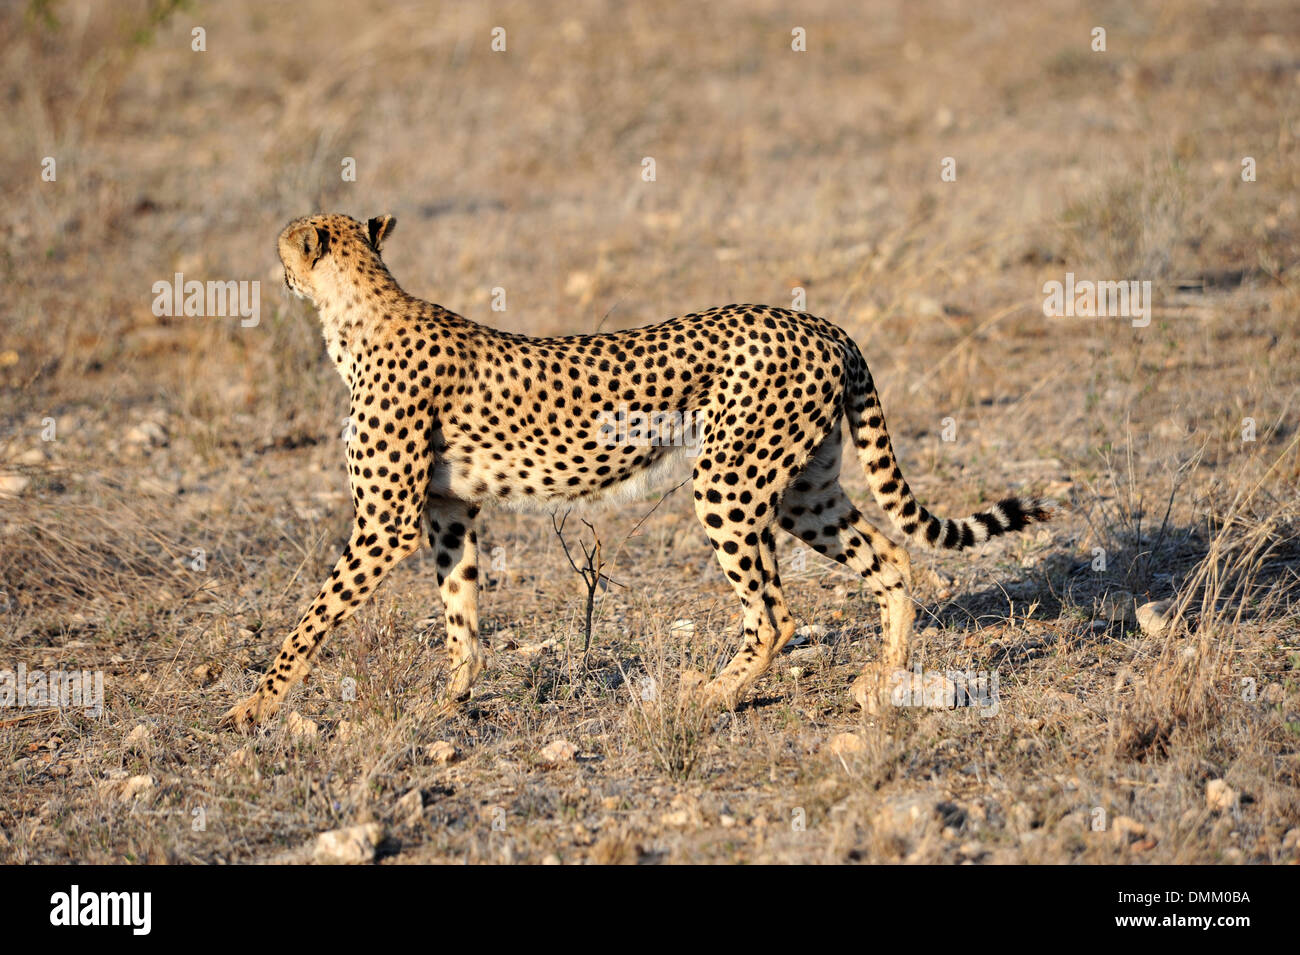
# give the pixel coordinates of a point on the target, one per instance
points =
(449, 706)
(710, 695)
(245, 715)
(462, 680)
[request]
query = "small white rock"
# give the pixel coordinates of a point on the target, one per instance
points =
(809, 631)
(577, 283)
(927, 307)
(11, 485)
(441, 752)
(410, 808)
(682, 628)
(676, 819)
(557, 752)
(1219, 796)
(301, 727)
(138, 737)
(136, 786)
(929, 689)
(1153, 617)
(146, 434)
(351, 846)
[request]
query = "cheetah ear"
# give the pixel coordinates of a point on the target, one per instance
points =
(381, 227)
(313, 243)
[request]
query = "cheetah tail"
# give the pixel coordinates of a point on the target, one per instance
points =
(867, 425)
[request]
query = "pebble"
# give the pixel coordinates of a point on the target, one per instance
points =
(558, 752)
(410, 808)
(137, 739)
(441, 752)
(1153, 617)
(135, 787)
(11, 485)
(354, 845)
(301, 727)
(146, 434)
(682, 628)
(1219, 796)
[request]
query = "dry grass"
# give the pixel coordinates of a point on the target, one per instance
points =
(194, 493)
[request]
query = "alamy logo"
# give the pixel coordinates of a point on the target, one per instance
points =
(194, 299)
(58, 688)
(650, 429)
(102, 908)
(946, 689)
(1089, 299)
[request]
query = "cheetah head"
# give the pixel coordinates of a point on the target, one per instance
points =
(322, 254)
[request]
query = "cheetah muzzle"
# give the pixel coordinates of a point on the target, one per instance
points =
(449, 415)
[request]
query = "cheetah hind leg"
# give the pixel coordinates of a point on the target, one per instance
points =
(818, 512)
(450, 524)
(767, 623)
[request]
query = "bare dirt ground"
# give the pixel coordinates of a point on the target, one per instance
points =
(172, 489)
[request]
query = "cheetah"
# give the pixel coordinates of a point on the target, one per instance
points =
(448, 416)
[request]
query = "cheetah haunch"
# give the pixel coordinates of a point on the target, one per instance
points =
(450, 415)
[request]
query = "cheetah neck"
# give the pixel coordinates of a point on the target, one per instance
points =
(354, 320)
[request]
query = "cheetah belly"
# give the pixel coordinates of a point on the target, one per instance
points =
(670, 467)
(649, 470)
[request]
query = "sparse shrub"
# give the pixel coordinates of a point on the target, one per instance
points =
(665, 711)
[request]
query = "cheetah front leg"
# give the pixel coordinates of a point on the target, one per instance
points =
(366, 560)
(389, 503)
(455, 546)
